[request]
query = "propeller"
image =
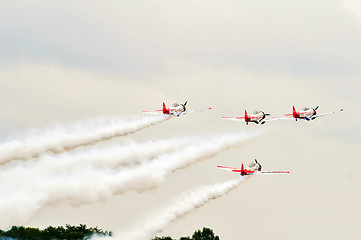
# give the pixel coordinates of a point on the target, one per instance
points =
(184, 105)
(314, 113)
(259, 165)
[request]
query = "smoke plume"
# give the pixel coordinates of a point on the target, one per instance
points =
(27, 188)
(66, 137)
(111, 156)
(186, 203)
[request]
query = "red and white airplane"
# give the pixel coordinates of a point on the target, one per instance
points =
(254, 169)
(306, 114)
(257, 117)
(176, 109)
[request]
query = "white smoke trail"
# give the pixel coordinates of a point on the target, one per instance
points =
(111, 156)
(186, 203)
(60, 138)
(34, 188)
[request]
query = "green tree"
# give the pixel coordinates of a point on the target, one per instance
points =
(32, 233)
(80, 232)
(185, 238)
(50, 232)
(205, 234)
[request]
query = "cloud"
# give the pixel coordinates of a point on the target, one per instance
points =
(353, 6)
(289, 37)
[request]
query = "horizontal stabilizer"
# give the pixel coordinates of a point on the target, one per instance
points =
(228, 168)
(234, 118)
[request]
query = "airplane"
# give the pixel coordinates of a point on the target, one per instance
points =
(306, 114)
(257, 117)
(176, 109)
(254, 169)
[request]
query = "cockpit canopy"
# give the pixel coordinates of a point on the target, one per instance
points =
(305, 108)
(252, 165)
(175, 105)
(256, 112)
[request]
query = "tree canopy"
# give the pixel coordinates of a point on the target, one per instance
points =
(82, 232)
(53, 233)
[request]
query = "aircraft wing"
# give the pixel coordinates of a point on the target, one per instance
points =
(273, 172)
(324, 114)
(194, 111)
(158, 111)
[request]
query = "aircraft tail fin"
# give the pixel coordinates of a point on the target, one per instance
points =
(294, 113)
(165, 110)
(246, 118)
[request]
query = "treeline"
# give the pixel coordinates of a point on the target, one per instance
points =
(53, 233)
(205, 234)
(82, 232)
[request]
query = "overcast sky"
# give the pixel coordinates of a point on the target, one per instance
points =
(63, 61)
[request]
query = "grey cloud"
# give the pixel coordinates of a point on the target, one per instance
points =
(305, 38)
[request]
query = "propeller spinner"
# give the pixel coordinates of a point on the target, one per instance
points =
(184, 105)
